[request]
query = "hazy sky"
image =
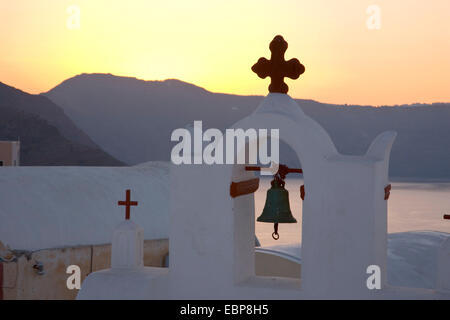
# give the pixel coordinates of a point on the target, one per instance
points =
(213, 44)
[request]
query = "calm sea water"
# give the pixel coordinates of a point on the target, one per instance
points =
(412, 206)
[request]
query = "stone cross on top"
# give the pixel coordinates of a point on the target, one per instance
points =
(277, 68)
(127, 203)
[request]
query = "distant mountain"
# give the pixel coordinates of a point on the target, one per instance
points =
(45, 109)
(421, 149)
(47, 135)
(133, 119)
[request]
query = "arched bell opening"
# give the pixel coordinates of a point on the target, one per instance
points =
(256, 260)
(279, 254)
(289, 233)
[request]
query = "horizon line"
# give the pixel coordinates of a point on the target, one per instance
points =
(227, 93)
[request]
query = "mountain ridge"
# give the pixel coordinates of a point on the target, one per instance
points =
(168, 81)
(133, 120)
(47, 135)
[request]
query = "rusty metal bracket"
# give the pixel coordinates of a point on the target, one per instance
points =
(244, 187)
(387, 191)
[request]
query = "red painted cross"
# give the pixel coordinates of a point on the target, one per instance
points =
(277, 68)
(127, 203)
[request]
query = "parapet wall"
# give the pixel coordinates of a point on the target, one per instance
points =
(19, 280)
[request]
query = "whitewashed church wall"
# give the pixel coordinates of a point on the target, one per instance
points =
(72, 206)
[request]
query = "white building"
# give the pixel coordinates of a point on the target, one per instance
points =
(54, 217)
(212, 254)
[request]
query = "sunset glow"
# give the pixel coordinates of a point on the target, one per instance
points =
(213, 44)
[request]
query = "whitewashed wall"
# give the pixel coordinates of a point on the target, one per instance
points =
(52, 207)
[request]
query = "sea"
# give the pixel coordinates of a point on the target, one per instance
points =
(412, 206)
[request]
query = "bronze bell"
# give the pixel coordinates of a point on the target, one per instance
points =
(277, 208)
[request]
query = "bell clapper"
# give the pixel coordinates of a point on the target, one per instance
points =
(275, 234)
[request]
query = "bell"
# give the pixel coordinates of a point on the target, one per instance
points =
(277, 209)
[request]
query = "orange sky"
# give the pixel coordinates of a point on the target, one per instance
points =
(214, 43)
